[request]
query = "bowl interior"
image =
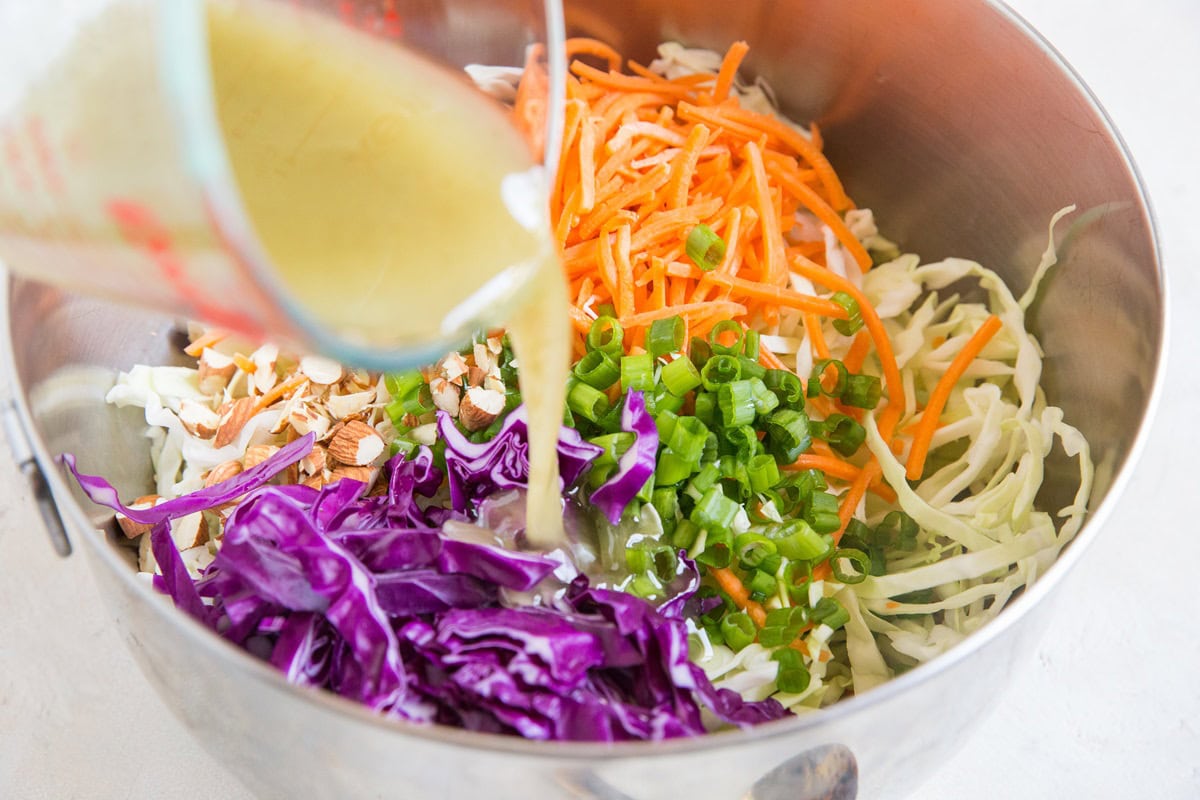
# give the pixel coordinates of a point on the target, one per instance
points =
(961, 130)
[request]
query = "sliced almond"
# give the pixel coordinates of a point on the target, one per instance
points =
(323, 371)
(485, 359)
(315, 481)
(198, 419)
(480, 408)
(425, 434)
(264, 376)
(314, 462)
(493, 384)
(476, 376)
(346, 405)
(495, 345)
(132, 529)
(355, 473)
(222, 472)
(357, 443)
(234, 420)
(309, 420)
(445, 395)
(258, 453)
(189, 531)
(454, 366)
(214, 371)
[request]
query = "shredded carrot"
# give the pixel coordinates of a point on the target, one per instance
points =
(727, 309)
(281, 389)
(832, 465)
(209, 338)
(941, 393)
(244, 364)
(593, 47)
(729, 67)
(732, 585)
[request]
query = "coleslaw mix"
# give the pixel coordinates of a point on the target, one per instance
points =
(750, 530)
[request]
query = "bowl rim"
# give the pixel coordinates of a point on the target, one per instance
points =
(258, 670)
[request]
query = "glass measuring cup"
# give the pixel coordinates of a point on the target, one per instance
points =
(116, 178)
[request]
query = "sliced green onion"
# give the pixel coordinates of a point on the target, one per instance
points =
(705, 248)
(816, 386)
(765, 400)
(736, 402)
(666, 336)
(717, 334)
(787, 434)
(738, 629)
(587, 401)
(403, 447)
(417, 400)
(829, 612)
(717, 551)
(672, 468)
(897, 530)
(860, 563)
(637, 372)
(664, 400)
(771, 563)
(796, 540)
(714, 511)
(763, 472)
(750, 344)
(614, 446)
(712, 448)
(822, 513)
(853, 321)
(733, 470)
(752, 549)
(597, 369)
(606, 335)
(751, 368)
(704, 480)
(793, 677)
(686, 533)
(762, 583)
(862, 391)
(844, 434)
(680, 376)
(700, 351)
(744, 441)
(644, 587)
(666, 503)
(706, 408)
(687, 438)
(665, 422)
(787, 386)
(794, 617)
(719, 370)
(402, 383)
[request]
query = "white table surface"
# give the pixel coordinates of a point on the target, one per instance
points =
(1109, 707)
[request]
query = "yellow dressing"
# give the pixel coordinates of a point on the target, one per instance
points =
(385, 191)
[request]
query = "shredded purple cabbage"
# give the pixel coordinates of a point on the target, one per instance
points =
(636, 465)
(478, 469)
(368, 597)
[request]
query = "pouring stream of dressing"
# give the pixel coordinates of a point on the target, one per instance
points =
(374, 180)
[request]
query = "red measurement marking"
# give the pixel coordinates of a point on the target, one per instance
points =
(48, 166)
(391, 21)
(140, 227)
(14, 161)
(267, 306)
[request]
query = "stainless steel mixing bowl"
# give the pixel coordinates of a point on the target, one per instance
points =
(965, 132)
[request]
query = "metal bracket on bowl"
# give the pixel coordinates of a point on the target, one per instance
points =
(22, 451)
